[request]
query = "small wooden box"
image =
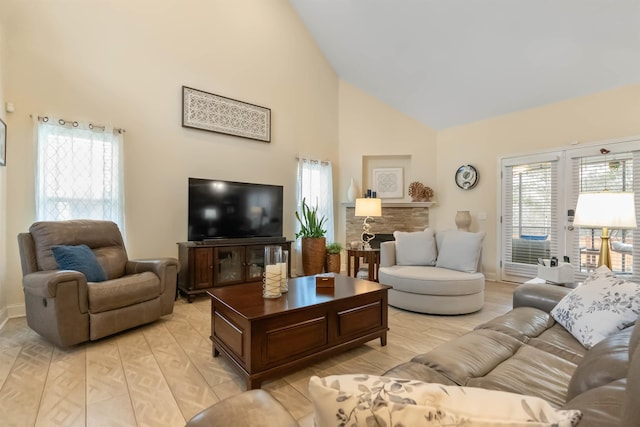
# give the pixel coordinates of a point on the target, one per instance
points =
(326, 280)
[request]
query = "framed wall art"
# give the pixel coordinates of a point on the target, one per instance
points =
(388, 183)
(215, 113)
(3, 143)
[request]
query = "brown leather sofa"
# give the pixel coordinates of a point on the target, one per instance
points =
(524, 351)
(66, 309)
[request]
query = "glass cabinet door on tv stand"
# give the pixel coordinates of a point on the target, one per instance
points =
(254, 263)
(228, 265)
(204, 266)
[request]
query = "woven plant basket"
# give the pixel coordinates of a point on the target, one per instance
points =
(333, 263)
(314, 250)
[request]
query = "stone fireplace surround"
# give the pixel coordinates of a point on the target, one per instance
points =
(409, 216)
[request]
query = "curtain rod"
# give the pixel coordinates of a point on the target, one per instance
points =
(74, 123)
(322, 162)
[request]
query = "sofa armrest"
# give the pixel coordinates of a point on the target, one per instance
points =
(539, 295)
(250, 408)
(387, 254)
(160, 266)
(45, 284)
(167, 270)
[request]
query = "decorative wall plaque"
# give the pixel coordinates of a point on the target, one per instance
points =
(388, 183)
(215, 113)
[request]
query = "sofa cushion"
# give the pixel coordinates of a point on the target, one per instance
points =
(415, 248)
(605, 362)
(418, 371)
(557, 340)
(598, 309)
(79, 258)
(123, 292)
(530, 371)
(372, 400)
(459, 250)
(113, 260)
(521, 323)
(95, 234)
(472, 355)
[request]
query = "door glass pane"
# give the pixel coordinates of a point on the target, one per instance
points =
(596, 174)
(532, 212)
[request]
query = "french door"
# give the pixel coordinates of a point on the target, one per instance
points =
(538, 199)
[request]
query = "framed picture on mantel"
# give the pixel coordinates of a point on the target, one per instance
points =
(388, 183)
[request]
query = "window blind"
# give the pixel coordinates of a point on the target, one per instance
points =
(598, 173)
(530, 219)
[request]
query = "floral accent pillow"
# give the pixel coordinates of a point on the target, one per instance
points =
(599, 308)
(367, 400)
(599, 274)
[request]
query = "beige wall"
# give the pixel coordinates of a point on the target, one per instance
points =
(3, 189)
(598, 117)
(123, 62)
(370, 128)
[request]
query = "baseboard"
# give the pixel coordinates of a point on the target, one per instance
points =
(16, 310)
(491, 277)
(4, 316)
(10, 312)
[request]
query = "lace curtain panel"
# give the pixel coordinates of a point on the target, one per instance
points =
(315, 184)
(79, 172)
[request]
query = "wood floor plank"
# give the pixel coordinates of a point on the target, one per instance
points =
(163, 373)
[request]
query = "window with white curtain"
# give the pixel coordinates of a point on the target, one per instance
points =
(79, 172)
(315, 185)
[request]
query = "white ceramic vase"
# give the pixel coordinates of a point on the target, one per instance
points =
(351, 192)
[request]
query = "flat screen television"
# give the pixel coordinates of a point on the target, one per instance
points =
(226, 210)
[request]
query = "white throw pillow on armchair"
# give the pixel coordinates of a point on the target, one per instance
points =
(459, 250)
(416, 247)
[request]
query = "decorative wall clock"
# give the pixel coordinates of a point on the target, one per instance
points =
(466, 177)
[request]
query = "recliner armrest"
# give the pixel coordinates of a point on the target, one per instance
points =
(158, 266)
(539, 295)
(45, 284)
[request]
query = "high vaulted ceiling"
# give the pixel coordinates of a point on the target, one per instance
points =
(450, 62)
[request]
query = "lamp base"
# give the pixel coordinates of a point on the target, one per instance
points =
(366, 236)
(605, 254)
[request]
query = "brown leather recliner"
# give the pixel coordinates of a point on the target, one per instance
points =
(66, 309)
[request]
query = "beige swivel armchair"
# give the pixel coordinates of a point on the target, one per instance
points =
(65, 308)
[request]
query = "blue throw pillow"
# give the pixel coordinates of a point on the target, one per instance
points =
(79, 258)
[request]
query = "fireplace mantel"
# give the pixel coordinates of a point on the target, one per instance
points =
(396, 216)
(396, 204)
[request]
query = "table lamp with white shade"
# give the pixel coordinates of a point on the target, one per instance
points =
(368, 207)
(607, 209)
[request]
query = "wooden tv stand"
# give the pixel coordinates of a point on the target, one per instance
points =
(264, 338)
(213, 263)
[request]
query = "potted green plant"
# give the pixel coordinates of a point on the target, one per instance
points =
(313, 239)
(333, 257)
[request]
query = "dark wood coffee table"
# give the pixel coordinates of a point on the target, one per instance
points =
(264, 338)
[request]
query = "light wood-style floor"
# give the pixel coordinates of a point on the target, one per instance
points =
(163, 373)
